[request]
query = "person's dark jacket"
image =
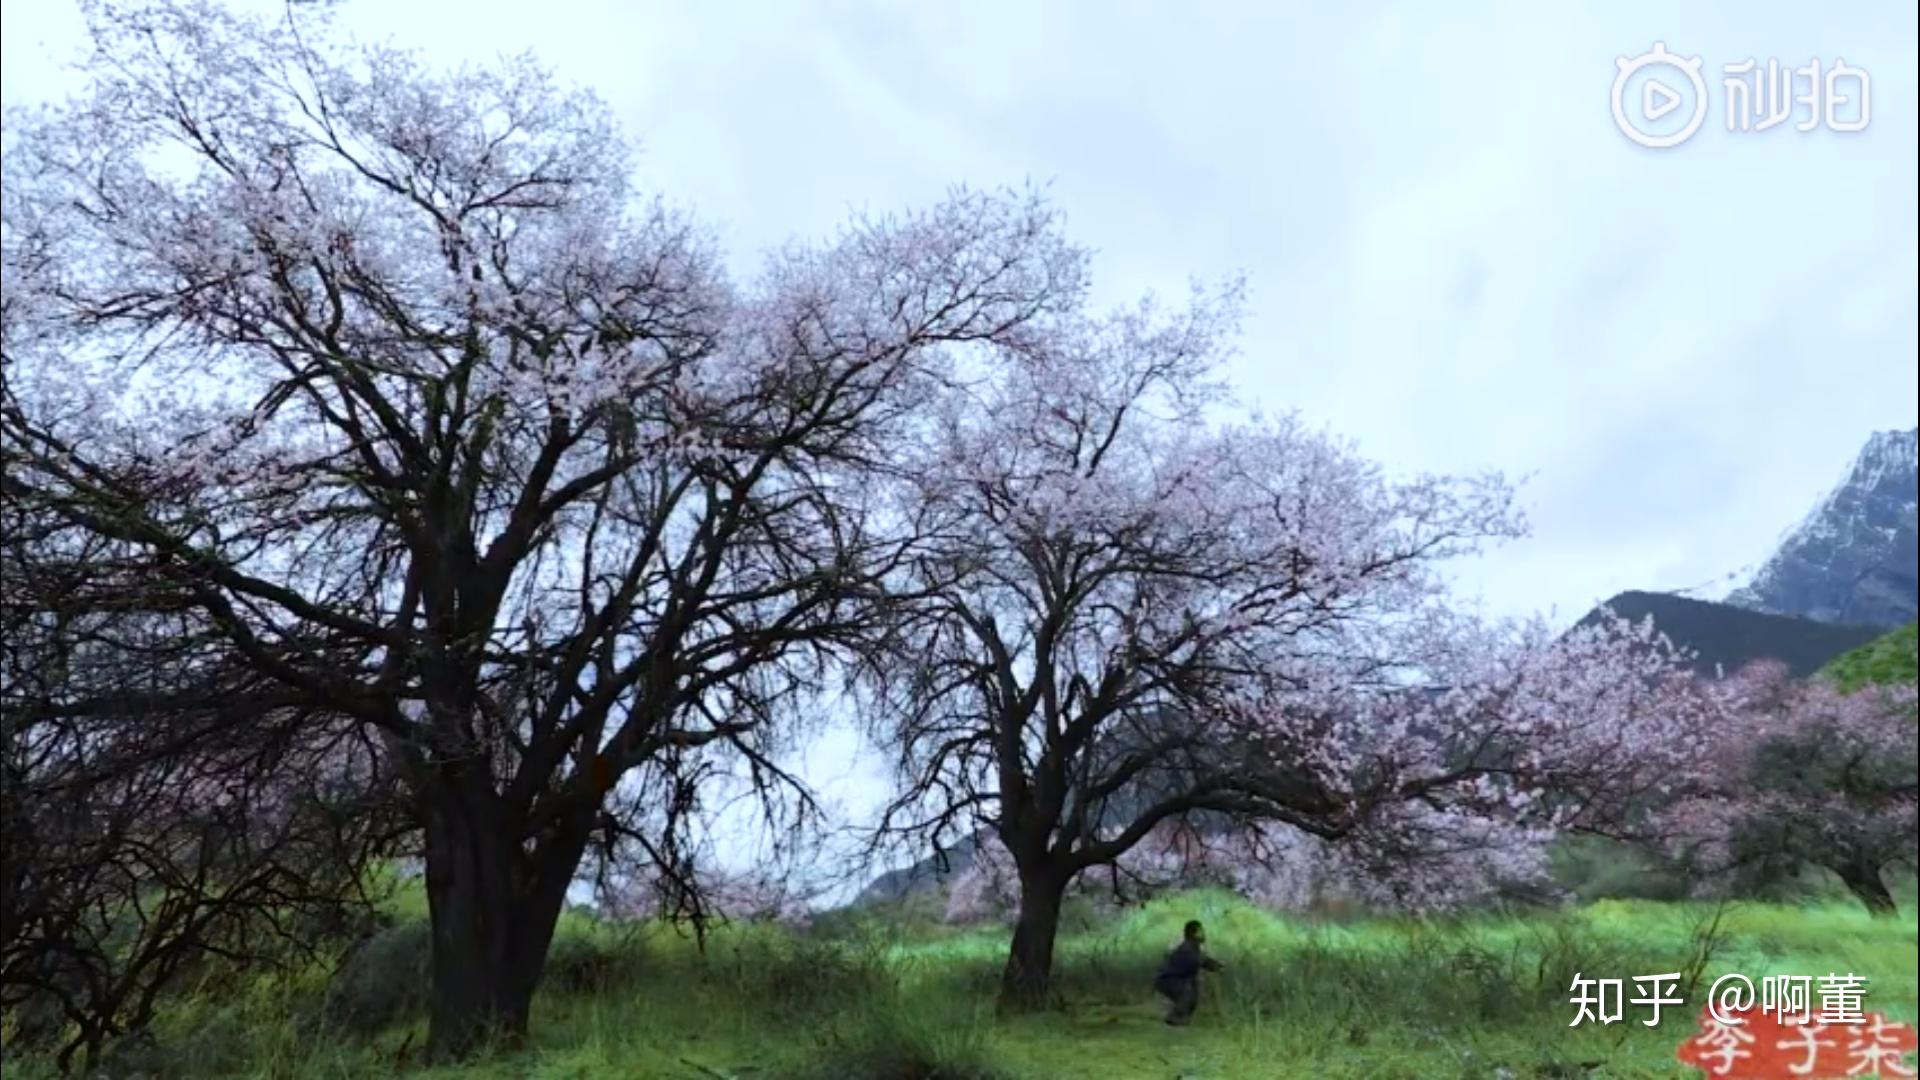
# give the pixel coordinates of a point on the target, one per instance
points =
(1184, 961)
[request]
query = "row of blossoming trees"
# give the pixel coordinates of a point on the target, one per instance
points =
(1800, 776)
(387, 426)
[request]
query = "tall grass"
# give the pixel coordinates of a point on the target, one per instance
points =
(1477, 996)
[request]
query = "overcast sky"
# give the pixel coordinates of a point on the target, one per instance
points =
(1454, 255)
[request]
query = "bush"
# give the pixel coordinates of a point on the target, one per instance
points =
(1893, 660)
(1596, 868)
(583, 963)
(135, 1054)
(798, 977)
(388, 978)
(893, 1043)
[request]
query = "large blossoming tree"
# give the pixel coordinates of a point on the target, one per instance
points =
(440, 429)
(1137, 619)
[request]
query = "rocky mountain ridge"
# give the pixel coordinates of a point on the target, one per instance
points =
(1853, 559)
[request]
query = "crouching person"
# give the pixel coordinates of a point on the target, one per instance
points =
(1179, 977)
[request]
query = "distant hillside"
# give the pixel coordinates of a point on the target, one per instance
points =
(1727, 637)
(931, 871)
(1894, 658)
(1853, 560)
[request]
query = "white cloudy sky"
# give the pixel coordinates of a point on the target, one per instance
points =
(1454, 256)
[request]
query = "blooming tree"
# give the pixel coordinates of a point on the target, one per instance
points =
(1276, 866)
(1134, 616)
(1807, 774)
(439, 427)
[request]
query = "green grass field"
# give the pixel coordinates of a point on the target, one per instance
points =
(1479, 996)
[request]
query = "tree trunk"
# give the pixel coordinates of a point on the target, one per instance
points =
(493, 912)
(1864, 883)
(1027, 983)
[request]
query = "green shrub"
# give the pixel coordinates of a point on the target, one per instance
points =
(1597, 868)
(895, 1043)
(1890, 660)
(589, 963)
(388, 978)
(801, 976)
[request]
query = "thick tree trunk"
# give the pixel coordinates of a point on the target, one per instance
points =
(1027, 983)
(1864, 883)
(493, 917)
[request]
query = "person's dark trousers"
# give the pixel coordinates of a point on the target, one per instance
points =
(1183, 996)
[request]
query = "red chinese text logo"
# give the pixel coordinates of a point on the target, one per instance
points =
(1763, 1046)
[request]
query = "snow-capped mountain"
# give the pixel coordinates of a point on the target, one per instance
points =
(1853, 559)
